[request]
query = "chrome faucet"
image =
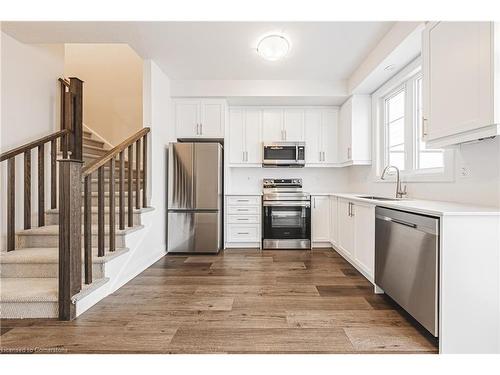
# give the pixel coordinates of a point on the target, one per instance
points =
(400, 193)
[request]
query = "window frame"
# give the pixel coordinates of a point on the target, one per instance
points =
(408, 76)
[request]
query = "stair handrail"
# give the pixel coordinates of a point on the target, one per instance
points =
(97, 163)
(33, 144)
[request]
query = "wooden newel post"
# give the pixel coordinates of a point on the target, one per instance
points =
(76, 90)
(70, 235)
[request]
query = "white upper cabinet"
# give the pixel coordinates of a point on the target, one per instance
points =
(313, 136)
(195, 118)
(461, 83)
(187, 118)
(293, 124)
(354, 135)
(321, 127)
(283, 125)
(272, 125)
(245, 136)
(253, 136)
(320, 219)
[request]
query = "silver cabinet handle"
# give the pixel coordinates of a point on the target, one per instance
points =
(242, 200)
(197, 130)
(242, 209)
(246, 155)
(241, 219)
(243, 233)
(424, 128)
(201, 129)
(314, 202)
(285, 135)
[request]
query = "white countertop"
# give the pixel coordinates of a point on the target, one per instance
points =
(435, 208)
(243, 194)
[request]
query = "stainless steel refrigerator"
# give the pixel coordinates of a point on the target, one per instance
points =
(194, 197)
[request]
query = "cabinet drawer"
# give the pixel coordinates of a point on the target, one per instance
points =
(243, 201)
(243, 233)
(243, 210)
(243, 219)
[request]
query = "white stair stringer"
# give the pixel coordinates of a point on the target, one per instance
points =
(124, 268)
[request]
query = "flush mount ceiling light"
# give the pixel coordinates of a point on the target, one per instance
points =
(273, 47)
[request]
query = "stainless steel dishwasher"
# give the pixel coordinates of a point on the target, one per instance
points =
(407, 262)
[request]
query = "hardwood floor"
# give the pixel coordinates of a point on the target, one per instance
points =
(240, 301)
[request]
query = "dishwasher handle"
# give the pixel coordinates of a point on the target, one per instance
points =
(420, 223)
(405, 223)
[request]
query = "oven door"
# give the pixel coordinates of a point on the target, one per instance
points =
(275, 155)
(287, 225)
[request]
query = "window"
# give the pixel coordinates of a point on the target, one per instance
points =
(425, 158)
(399, 123)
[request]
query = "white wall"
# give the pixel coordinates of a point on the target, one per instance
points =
(112, 75)
(157, 116)
(315, 180)
(481, 186)
(29, 110)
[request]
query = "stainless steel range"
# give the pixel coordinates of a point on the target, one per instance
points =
(286, 214)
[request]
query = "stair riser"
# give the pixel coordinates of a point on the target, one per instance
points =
(53, 218)
(93, 142)
(29, 310)
(117, 200)
(52, 240)
(94, 151)
(107, 174)
(49, 270)
(95, 186)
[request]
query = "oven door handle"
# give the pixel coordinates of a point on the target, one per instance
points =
(286, 204)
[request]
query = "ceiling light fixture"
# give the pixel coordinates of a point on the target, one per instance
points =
(273, 47)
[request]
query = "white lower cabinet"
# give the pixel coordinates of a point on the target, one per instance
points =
(334, 232)
(243, 221)
(356, 235)
(320, 220)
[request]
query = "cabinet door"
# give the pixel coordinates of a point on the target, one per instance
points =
(272, 125)
(187, 118)
(212, 119)
(333, 220)
(329, 135)
(364, 237)
(253, 136)
(346, 228)
(344, 133)
(320, 225)
(313, 136)
(457, 77)
(293, 124)
(236, 136)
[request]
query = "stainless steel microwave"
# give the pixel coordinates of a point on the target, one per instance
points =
(284, 154)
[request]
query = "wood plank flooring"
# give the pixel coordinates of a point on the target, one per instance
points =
(240, 301)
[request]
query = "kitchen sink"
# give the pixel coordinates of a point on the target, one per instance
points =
(378, 198)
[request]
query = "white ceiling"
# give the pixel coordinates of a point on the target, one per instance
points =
(326, 51)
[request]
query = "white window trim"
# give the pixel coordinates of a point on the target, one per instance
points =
(447, 174)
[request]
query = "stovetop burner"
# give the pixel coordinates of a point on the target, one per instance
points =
(284, 189)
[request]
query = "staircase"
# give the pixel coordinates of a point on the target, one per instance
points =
(29, 273)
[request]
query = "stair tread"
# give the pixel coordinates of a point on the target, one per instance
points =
(50, 230)
(40, 289)
(43, 255)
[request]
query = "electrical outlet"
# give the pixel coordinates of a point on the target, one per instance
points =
(464, 172)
